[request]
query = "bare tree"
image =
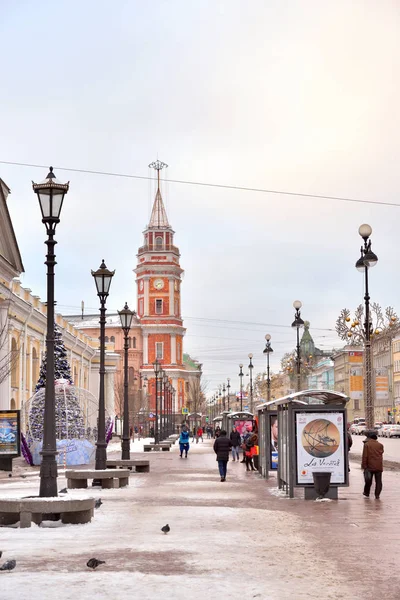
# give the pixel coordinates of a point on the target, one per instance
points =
(196, 397)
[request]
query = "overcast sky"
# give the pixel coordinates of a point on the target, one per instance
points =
(296, 96)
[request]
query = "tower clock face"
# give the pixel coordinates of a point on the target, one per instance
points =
(158, 284)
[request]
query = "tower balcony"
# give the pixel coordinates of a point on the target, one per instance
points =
(156, 248)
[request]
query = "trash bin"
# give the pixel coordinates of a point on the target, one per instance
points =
(322, 481)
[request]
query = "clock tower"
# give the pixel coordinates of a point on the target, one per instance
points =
(158, 280)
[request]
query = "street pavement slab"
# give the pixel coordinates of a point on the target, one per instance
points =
(239, 539)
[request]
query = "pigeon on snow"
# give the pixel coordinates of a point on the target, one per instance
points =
(166, 529)
(93, 563)
(8, 566)
(63, 491)
(98, 503)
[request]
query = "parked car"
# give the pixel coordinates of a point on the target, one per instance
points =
(392, 431)
(360, 428)
(382, 430)
(352, 428)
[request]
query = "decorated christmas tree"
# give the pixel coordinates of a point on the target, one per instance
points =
(69, 417)
(62, 370)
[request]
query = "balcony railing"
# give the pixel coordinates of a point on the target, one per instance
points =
(154, 248)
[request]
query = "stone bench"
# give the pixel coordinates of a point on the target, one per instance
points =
(26, 510)
(109, 478)
(141, 466)
(164, 446)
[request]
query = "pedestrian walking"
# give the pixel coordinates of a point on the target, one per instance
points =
(200, 434)
(222, 446)
(217, 431)
(249, 451)
(372, 463)
(184, 441)
(349, 444)
(235, 440)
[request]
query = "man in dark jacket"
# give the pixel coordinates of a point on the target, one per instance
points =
(236, 441)
(372, 463)
(222, 446)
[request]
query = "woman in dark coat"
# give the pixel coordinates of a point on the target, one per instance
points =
(251, 442)
(222, 446)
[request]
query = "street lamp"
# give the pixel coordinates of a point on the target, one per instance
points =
(298, 323)
(241, 387)
(268, 351)
(102, 278)
(164, 424)
(251, 382)
(157, 369)
(50, 193)
(126, 317)
(223, 394)
(367, 259)
(228, 387)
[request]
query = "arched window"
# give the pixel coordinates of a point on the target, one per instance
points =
(14, 363)
(159, 243)
(134, 342)
(106, 340)
(112, 339)
(35, 367)
(129, 342)
(13, 404)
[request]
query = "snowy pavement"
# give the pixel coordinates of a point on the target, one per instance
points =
(239, 538)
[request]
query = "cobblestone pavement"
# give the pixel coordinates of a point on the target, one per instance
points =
(237, 538)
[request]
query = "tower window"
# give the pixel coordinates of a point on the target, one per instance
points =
(141, 306)
(106, 339)
(129, 342)
(133, 342)
(159, 307)
(159, 350)
(159, 243)
(112, 339)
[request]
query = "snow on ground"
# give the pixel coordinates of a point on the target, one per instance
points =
(227, 538)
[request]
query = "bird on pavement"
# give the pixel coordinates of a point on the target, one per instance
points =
(98, 503)
(63, 491)
(1, 553)
(93, 563)
(8, 566)
(166, 529)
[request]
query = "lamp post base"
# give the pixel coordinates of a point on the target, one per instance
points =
(125, 449)
(101, 456)
(48, 474)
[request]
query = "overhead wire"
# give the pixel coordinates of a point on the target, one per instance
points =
(205, 184)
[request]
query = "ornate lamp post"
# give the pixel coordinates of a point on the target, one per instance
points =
(223, 395)
(228, 387)
(102, 278)
(157, 369)
(298, 323)
(241, 386)
(165, 413)
(126, 317)
(50, 193)
(251, 382)
(268, 351)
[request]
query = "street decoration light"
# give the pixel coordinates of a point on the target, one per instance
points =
(102, 278)
(50, 193)
(126, 317)
(250, 367)
(267, 351)
(369, 323)
(298, 323)
(228, 387)
(241, 386)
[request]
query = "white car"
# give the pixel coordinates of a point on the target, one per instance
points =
(382, 430)
(392, 431)
(360, 428)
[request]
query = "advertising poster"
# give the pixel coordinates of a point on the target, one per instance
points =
(356, 375)
(320, 446)
(381, 384)
(243, 426)
(273, 419)
(9, 432)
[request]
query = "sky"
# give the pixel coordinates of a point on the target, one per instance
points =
(289, 96)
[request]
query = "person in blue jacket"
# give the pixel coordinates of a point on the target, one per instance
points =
(184, 441)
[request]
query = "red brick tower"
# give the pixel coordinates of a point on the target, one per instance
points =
(158, 278)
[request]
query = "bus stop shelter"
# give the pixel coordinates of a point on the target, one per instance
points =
(312, 440)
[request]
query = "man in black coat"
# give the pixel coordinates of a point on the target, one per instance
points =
(222, 446)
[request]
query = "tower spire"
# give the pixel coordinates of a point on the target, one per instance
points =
(158, 216)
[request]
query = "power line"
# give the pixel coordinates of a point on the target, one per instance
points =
(204, 184)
